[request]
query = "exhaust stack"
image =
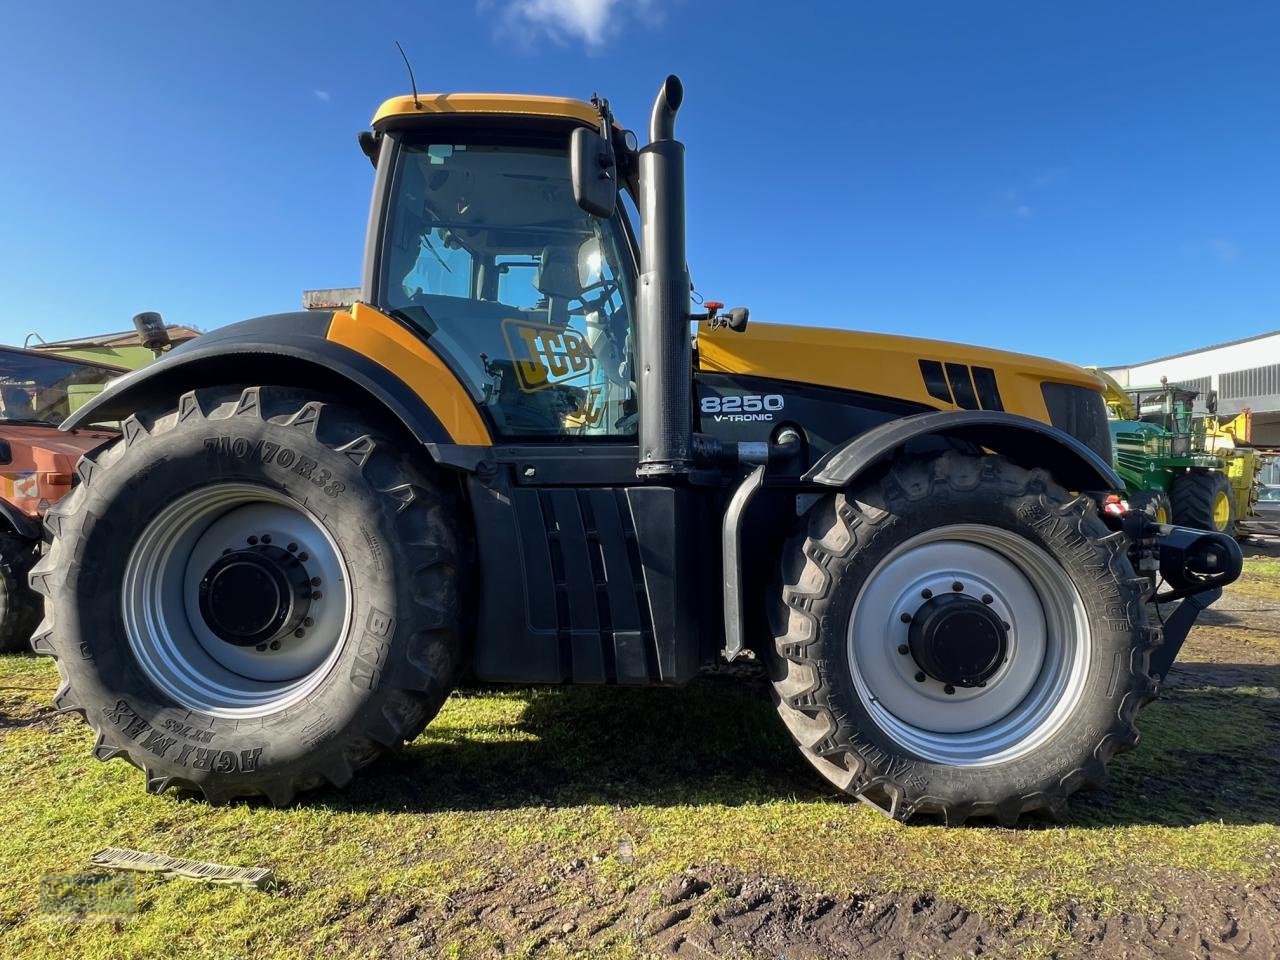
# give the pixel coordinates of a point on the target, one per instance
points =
(663, 353)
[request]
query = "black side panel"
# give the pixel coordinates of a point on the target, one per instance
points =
(736, 408)
(588, 584)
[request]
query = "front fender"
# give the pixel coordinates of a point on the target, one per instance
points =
(1026, 442)
(360, 354)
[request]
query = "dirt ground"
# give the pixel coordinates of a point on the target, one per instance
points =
(715, 912)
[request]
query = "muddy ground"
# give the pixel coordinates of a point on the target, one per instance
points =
(715, 912)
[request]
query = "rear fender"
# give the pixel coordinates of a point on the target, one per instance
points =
(362, 355)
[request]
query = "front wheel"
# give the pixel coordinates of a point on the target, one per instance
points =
(251, 594)
(960, 637)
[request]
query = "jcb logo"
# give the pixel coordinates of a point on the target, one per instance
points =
(546, 356)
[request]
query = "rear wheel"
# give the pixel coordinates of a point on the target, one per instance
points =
(960, 637)
(254, 593)
(19, 607)
(1203, 499)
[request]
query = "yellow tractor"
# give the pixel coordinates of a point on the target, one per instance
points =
(512, 453)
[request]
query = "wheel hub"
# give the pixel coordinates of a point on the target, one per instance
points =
(958, 640)
(255, 595)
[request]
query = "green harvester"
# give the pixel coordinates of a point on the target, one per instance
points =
(1161, 450)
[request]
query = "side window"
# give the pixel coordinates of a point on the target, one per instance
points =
(527, 297)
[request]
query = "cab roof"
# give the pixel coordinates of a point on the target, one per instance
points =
(498, 104)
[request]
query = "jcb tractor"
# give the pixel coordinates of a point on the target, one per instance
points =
(511, 453)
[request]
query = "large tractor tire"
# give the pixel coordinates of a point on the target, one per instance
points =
(1154, 503)
(19, 607)
(253, 593)
(1203, 499)
(962, 638)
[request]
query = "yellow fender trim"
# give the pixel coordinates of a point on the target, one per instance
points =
(401, 353)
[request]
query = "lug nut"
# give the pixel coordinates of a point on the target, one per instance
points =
(926, 593)
(266, 538)
(275, 644)
(292, 548)
(988, 598)
(920, 677)
(903, 649)
(303, 556)
(958, 587)
(299, 633)
(315, 581)
(1005, 624)
(307, 621)
(948, 689)
(261, 648)
(252, 541)
(905, 618)
(316, 595)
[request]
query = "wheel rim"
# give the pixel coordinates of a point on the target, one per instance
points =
(1006, 710)
(197, 594)
(1221, 510)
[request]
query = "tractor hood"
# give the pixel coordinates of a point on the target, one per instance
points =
(936, 373)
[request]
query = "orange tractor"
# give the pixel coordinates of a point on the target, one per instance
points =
(37, 466)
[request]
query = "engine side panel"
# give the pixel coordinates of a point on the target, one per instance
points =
(733, 407)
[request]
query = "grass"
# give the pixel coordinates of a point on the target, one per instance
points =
(518, 786)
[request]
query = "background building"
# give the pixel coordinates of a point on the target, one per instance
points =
(1246, 374)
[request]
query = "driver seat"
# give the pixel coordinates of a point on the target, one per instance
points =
(557, 281)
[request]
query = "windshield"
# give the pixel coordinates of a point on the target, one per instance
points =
(45, 390)
(525, 295)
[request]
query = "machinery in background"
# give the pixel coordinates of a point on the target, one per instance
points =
(38, 390)
(1178, 466)
(130, 349)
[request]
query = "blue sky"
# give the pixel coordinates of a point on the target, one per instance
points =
(1092, 181)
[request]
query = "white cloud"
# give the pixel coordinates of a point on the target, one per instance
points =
(592, 22)
(321, 95)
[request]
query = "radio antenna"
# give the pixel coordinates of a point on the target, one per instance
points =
(412, 83)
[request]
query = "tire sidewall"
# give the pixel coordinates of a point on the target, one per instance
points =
(150, 470)
(1070, 536)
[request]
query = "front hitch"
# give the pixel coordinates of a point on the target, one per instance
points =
(1194, 566)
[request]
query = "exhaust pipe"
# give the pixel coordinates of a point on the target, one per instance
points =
(663, 352)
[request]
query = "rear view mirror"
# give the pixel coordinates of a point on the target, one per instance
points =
(594, 172)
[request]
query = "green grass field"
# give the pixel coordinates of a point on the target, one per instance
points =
(568, 791)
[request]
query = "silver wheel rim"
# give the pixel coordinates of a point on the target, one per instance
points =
(1032, 693)
(168, 634)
